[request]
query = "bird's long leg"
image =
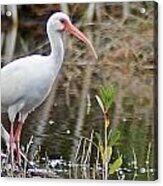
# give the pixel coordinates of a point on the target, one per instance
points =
(11, 141)
(17, 140)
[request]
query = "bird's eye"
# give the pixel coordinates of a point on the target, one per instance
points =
(62, 21)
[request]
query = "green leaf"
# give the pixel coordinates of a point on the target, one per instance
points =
(109, 150)
(115, 165)
(107, 95)
(100, 103)
(115, 138)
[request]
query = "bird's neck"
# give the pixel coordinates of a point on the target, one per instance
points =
(57, 49)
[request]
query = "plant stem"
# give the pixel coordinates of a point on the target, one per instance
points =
(147, 161)
(106, 118)
(106, 162)
(135, 165)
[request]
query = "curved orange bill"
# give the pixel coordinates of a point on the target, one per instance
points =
(78, 34)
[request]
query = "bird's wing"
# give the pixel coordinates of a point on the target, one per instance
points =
(18, 77)
(12, 83)
(14, 80)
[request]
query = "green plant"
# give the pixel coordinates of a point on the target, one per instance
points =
(105, 100)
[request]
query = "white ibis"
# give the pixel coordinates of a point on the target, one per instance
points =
(26, 82)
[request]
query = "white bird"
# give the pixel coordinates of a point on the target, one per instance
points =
(26, 82)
